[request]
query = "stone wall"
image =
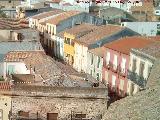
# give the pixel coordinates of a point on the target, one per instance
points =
(93, 108)
(61, 100)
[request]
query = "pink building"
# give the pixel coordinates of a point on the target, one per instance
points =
(116, 63)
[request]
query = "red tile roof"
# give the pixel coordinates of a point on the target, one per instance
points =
(57, 19)
(81, 30)
(13, 24)
(124, 45)
(99, 33)
(18, 56)
(47, 14)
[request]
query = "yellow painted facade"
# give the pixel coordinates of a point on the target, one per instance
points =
(5, 107)
(69, 49)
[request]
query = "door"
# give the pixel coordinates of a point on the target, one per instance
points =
(52, 116)
(1, 114)
(11, 69)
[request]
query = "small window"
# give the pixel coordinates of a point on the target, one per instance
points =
(141, 70)
(98, 77)
(72, 43)
(98, 62)
(158, 26)
(9, 1)
(91, 72)
(92, 59)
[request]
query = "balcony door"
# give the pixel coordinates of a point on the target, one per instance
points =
(141, 69)
(1, 114)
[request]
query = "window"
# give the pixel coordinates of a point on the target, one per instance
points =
(11, 69)
(121, 84)
(92, 59)
(67, 40)
(98, 62)
(134, 65)
(98, 77)
(53, 31)
(91, 72)
(72, 43)
(149, 69)
(107, 58)
(115, 62)
(1, 114)
(158, 26)
(113, 81)
(50, 30)
(106, 76)
(9, 1)
(123, 65)
(141, 68)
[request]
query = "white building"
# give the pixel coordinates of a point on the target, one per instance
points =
(7, 66)
(95, 63)
(143, 28)
(141, 64)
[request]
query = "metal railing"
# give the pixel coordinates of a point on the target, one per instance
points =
(117, 69)
(137, 79)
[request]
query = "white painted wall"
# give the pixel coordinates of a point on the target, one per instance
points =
(91, 67)
(20, 68)
(58, 46)
(80, 58)
(139, 59)
(143, 28)
(5, 107)
(145, 72)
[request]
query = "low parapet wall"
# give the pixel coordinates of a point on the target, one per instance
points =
(61, 92)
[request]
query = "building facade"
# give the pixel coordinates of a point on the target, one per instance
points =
(117, 63)
(102, 35)
(5, 107)
(141, 63)
(95, 63)
(143, 28)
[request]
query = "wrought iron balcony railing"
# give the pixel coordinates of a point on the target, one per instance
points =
(137, 79)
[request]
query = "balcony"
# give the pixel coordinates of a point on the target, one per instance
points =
(134, 77)
(122, 73)
(116, 69)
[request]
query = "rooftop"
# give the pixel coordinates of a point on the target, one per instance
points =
(52, 72)
(81, 29)
(97, 51)
(47, 14)
(100, 33)
(143, 105)
(65, 15)
(13, 24)
(18, 56)
(124, 45)
(152, 49)
(146, 6)
(17, 46)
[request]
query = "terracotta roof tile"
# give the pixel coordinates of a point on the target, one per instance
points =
(57, 19)
(124, 45)
(81, 30)
(152, 49)
(13, 24)
(99, 33)
(18, 56)
(47, 14)
(97, 51)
